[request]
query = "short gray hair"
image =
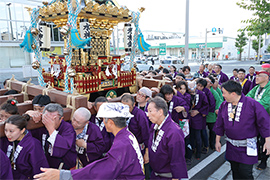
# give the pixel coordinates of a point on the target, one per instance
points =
(160, 103)
(118, 121)
(84, 112)
(53, 107)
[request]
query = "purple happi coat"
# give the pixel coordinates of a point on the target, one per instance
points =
(208, 73)
(203, 74)
(222, 77)
(139, 126)
(250, 119)
(186, 97)
(211, 100)
(5, 168)
(28, 157)
(177, 101)
(64, 150)
(252, 79)
(246, 87)
(201, 104)
(123, 161)
(107, 137)
(234, 78)
(167, 150)
(95, 145)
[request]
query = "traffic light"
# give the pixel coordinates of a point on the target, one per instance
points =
(220, 31)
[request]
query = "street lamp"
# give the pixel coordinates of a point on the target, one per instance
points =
(186, 33)
(10, 21)
(205, 47)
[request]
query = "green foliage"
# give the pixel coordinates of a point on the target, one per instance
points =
(268, 48)
(240, 42)
(255, 44)
(260, 24)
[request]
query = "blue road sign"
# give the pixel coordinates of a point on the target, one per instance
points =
(214, 29)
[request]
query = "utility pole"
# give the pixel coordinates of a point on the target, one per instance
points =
(259, 50)
(205, 47)
(186, 33)
(249, 48)
(10, 21)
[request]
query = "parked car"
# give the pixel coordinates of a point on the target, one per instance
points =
(265, 59)
(167, 63)
(143, 66)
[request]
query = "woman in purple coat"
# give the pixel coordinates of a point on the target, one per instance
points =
(5, 168)
(24, 151)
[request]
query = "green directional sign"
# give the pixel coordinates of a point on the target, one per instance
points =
(162, 49)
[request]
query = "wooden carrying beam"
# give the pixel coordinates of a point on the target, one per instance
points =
(3, 91)
(18, 97)
(31, 124)
(155, 83)
(56, 96)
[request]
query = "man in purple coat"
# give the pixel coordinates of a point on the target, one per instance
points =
(235, 75)
(138, 124)
(251, 76)
(241, 118)
(107, 137)
(166, 143)
(201, 85)
(57, 138)
(201, 72)
(123, 161)
(5, 167)
(222, 77)
(89, 141)
(198, 113)
(245, 83)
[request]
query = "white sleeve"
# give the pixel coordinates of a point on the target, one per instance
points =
(52, 137)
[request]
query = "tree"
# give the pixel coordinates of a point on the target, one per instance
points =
(260, 24)
(268, 48)
(255, 45)
(240, 42)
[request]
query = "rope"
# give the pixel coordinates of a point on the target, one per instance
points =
(72, 20)
(71, 99)
(9, 82)
(161, 82)
(135, 20)
(24, 89)
(48, 89)
(34, 20)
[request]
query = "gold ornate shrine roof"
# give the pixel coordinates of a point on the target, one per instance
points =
(108, 15)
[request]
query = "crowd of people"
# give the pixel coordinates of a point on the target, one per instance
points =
(153, 136)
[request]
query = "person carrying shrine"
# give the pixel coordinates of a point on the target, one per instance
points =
(107, 136)
(123, 161)
(57, 138)
(89, 141)
(241, 118)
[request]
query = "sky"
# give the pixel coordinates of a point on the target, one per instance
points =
(170, 15)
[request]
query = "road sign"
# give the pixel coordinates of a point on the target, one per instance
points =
(162, 49)
(214, 29)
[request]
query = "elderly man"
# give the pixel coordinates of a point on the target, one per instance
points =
(123, 161)
(166, 143)
(261, 93)
(241, 118)
(222, 77)
(57, 138)
(89, 141)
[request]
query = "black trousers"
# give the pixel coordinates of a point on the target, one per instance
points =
(241, 171)
(261, 155)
